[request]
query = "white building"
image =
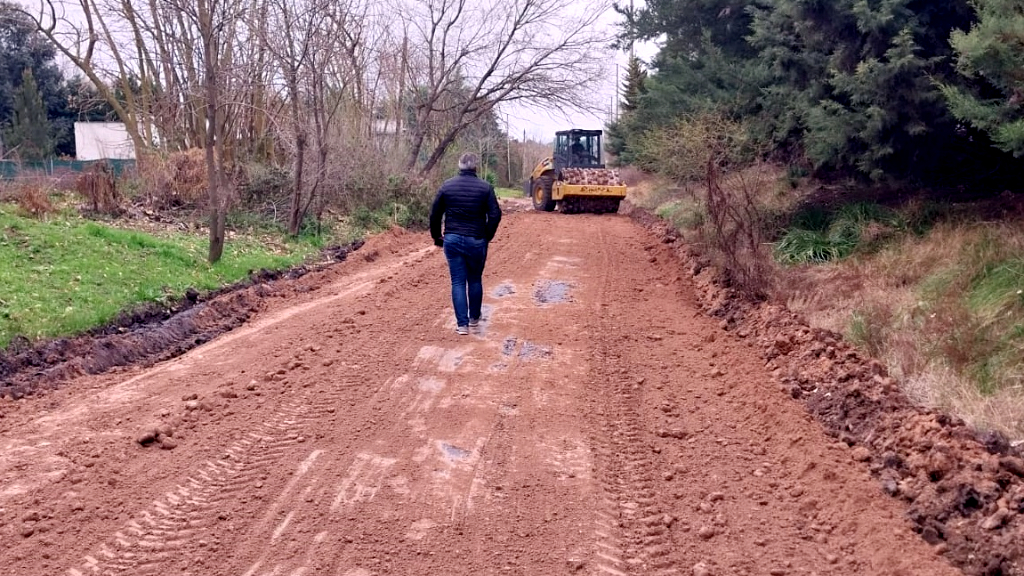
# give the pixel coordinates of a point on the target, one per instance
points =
(103, 140)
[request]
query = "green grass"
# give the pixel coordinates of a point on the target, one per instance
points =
(998, 290)
(412, 214)
(995, 299)
(508, 193)
(65, 275)
(816, 236)
(683, 213)
(809, 246)
(973, 306)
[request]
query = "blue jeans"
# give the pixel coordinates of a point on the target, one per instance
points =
(466, 256)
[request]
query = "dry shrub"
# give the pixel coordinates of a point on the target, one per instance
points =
(8, 191)
(364, 174)
(735, 226)
(698, 152)
(176, 180)
(33, 197)
(99, 186)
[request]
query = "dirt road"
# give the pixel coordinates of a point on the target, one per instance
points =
(597, 424)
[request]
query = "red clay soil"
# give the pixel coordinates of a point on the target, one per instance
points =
(965, 489)
(597, 423)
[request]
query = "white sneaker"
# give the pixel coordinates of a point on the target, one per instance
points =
(474, 322)
(462, 331)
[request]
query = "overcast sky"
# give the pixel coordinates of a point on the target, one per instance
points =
(539, 124)
(542, 126)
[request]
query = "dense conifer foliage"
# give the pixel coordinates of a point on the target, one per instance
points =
(884, 90)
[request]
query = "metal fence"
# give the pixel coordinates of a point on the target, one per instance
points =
(11, 170)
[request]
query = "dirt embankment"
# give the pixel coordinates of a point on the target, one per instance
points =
(149, 333)
(965, 489)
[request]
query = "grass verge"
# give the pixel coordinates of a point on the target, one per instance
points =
(65, 274)
(508, 193)
(944, 311)
(935, 291)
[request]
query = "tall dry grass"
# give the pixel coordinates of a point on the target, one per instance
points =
(939, 299)
(175, 180)
(722, 202)
(944, 311)
(31, 194)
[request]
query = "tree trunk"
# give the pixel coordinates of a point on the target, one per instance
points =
(439, 151)
(297, 212)
(212, 101)
(417, 144)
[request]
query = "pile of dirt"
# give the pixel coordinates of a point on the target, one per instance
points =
(965, 489)
(148, 333)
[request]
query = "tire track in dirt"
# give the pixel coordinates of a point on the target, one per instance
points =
(454, 468)
(315, 492)
(440, 478)
(596, 426)
(632, 527)
(156, 537)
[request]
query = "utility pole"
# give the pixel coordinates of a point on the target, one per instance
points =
(618, 96)
(508, 147)
(524, 155)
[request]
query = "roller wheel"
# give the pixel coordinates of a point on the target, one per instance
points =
(542, 193)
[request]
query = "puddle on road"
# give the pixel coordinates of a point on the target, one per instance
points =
(551, 292)
(503, 289)
(531, 351)
(453, 452)
(508, 346)
(527, 351)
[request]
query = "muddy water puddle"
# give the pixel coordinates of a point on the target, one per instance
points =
(552, 292)
(504, 289)
(453, 452)
(531, 351)
(524, 350)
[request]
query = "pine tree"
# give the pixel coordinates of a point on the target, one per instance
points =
(853, 82)
(684, 25)
(29, 134)
(634, 86)
(992, 55)
(619, 132)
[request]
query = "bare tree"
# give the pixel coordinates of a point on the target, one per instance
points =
(352, 94)
(474, 55)
(216, 22)
(316, 46)
(81, 33)
(197, 41)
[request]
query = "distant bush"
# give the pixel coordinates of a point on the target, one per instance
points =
(684, 214)
(262, 182)
(99, 186)
(33, 197)
(175, 180)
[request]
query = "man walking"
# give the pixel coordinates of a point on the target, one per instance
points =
(471, 216)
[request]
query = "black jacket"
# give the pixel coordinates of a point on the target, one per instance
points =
(469, 208)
